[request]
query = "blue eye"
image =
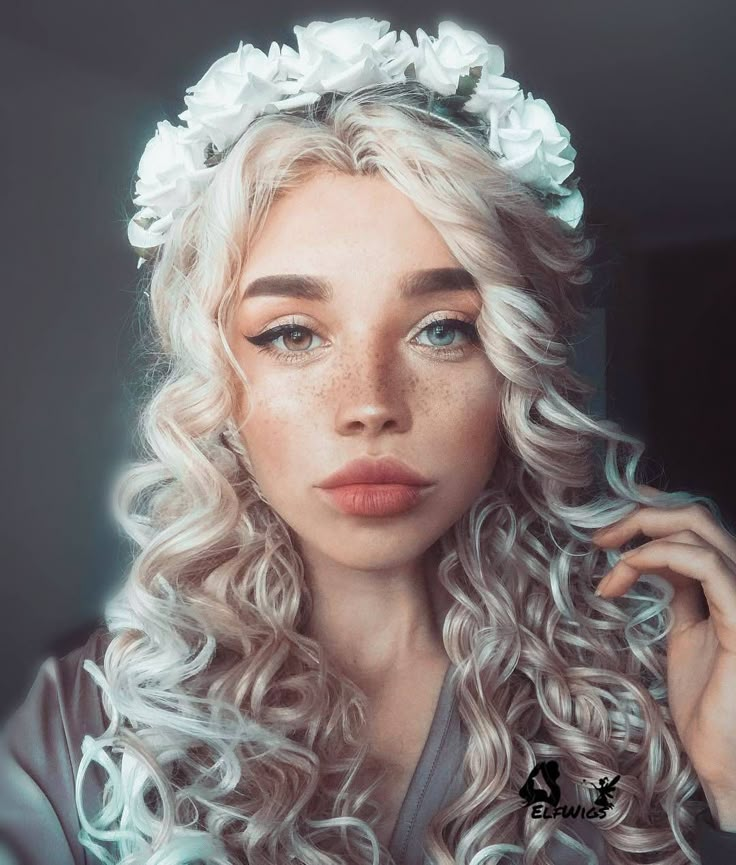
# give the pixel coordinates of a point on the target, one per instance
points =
(446, 329)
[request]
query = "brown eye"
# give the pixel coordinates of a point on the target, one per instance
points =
(297, 338)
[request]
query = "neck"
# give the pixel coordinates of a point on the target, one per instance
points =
(374, 624)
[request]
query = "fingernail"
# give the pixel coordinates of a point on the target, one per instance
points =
(602, 585)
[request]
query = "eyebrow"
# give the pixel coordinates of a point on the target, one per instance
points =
(412, 284)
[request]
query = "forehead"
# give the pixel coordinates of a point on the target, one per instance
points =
(333, 220)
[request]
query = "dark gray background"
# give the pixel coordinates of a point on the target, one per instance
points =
(646, 89)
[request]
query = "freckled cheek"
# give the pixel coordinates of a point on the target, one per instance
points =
(465, 417)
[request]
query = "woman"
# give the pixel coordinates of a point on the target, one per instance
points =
(361, 625)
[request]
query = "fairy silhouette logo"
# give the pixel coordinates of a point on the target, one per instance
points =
(548, 771)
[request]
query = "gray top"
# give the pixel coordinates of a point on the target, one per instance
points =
(40, 749)
(438, 780)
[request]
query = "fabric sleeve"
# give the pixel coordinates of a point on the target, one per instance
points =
(40, 749)
(715, 846)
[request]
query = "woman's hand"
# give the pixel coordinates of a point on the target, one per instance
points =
(699, 559)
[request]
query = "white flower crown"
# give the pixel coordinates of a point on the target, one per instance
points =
(344, 55)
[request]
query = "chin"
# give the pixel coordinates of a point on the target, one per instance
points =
(384, 559)
(375, 553)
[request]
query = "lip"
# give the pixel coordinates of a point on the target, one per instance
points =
(375, 500)
(365, 470)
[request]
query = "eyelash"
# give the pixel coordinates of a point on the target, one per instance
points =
(265, 341)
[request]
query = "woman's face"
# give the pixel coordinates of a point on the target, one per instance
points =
(364, 371)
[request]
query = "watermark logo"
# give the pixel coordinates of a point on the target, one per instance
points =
(537, 798)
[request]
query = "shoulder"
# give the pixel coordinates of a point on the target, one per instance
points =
(40, 751)
(63, 697)
(62, 706)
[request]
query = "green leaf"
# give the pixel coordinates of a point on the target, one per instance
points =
(466, 84)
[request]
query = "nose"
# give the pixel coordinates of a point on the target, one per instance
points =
(373, 393)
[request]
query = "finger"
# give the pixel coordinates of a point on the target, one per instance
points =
(660, 522)
(688, 605)
(679, 563)
(652, 491)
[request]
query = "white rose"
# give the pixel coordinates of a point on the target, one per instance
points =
(569, 208)
(172, 170)
(234, 90)
(344, 55)
(441, 60)
(535, 147)
(493, 90)
(146, 230)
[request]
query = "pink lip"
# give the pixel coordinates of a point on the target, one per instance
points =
(385, 470)
(375, 500)
(375, 487)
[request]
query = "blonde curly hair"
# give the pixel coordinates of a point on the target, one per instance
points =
(231, 736)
